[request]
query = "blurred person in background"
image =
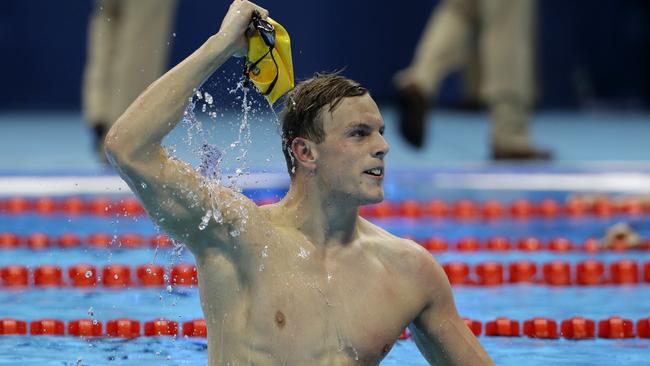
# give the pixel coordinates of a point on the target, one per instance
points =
(504, 29)
(128, 48)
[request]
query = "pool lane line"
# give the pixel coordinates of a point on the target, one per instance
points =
(436, 244)
(465, 210)
(558, 273)
(575, 328)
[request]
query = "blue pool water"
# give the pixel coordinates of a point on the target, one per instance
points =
(181, 304)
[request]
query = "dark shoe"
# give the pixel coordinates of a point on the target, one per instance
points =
(521, 154)
(413, 108)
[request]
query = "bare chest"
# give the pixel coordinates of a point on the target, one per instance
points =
(356, 308)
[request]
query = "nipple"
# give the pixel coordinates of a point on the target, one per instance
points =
(279, 319)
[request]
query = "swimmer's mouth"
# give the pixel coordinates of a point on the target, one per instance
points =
(375, 172)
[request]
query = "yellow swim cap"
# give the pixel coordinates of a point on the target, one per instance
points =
(269, 66)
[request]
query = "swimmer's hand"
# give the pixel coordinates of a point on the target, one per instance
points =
(621, 236)
(234, 24)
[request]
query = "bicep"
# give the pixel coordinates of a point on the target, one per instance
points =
(440, 333)
(183, 203)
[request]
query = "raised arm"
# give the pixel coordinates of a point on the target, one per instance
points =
(439, 332)
(171, 191)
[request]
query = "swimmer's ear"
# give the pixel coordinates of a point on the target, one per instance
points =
(304, 153)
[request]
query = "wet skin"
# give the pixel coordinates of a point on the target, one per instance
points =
(305, 281)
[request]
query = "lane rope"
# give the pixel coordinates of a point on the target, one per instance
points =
(489, 273)
(614, 327)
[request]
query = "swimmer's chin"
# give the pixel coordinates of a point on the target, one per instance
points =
(372, 200)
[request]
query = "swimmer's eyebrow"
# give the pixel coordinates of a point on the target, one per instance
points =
(364, 126)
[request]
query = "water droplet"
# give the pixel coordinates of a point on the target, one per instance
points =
(303, 253)
(89, 274)
(169, 289)
(91, 311)
(208, 98)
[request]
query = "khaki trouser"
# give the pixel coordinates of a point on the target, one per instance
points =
(128, 48)
(504, 29)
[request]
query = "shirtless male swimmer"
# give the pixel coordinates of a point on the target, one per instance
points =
(335, 289)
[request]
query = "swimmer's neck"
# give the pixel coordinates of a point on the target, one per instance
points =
(324, 220)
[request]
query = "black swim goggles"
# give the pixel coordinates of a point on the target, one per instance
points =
(267, 32)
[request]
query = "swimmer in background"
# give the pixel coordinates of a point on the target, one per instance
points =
(305, 281)
(622, 235)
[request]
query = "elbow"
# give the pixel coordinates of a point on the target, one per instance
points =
(115, 147)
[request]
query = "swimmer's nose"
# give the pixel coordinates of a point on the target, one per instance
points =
(382, 148)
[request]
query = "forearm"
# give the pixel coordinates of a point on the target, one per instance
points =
(139, 131)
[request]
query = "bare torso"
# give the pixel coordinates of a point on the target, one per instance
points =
(278, 301)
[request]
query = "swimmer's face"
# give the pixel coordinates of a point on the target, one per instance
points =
(350, 160)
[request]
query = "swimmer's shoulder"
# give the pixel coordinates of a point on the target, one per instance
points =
(393, 247)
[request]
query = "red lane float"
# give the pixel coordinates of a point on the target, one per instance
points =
(46, 327)
(643, 328)
(498, 244)
(45, 205)
(184, 274)
(73, 206)
(540, 327)
(489, 273)
(548, 208)
(467, 244)
(492, 209)
(557, 273)
(410, 209)
(82, 275)
(116, 275)
(578, 328)
(85, 328)
(123, 327)
(9, 240)
(457, 272)
(529, 244)
(195, 328)
(150, 275)
(160, 241)
(160, 327)
(130, 207)
(436, 244)
(48, 276)
(590, 273)
(10, 326)
(502, 327)
(436, 209)
(522, 271)
(615, 327)
(14, 276)
(130, 240)
(38, 241)
(522, 209)
(68, 240)
(100, 206)
(474, 325)
(624, 272)
(560, 245)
